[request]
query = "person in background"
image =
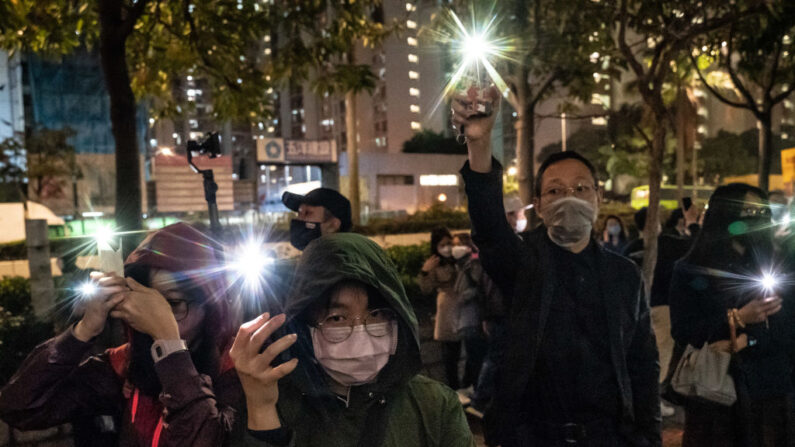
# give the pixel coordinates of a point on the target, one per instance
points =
(614, 235)
(675, 225)
(717, 298)
(172, 384)
(345, 371)
(321, 211)
(515, 213)
(468, 291)
(439, 274)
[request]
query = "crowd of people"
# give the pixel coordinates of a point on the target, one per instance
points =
(564, 341)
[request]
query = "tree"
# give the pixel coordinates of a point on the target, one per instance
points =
(320, 43)
(50, 160)
(649, 38)
(430, 142)
(146, 47)
(755, 54)
(12, 171)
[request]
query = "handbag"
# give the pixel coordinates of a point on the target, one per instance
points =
(704, 374)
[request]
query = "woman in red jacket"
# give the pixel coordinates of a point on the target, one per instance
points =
(171, 384)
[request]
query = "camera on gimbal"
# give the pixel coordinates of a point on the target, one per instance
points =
(210, 146)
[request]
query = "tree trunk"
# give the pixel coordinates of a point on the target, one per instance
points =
(525, 143)
(42, 288)
(681, 142)
(353, 156)
(112, 47)
(653, 212)
(765, 149)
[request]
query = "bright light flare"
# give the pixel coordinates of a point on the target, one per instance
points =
(251, 263)
(103, 236)
(768, 281)
(88, 289)
(477, 48)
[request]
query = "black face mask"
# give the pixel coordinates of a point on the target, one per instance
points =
(303, 232)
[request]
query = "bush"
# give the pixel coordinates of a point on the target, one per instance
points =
(419, 222)
(409, 259)
(20, 331)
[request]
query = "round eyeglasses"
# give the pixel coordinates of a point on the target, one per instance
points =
(337, 327)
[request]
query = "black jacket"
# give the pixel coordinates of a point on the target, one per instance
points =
(523, 269)
(700, 298)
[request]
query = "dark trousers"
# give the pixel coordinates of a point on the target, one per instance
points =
(768, 422)
(485, 388)
(451, 352)
(601, 435)
(475, 346)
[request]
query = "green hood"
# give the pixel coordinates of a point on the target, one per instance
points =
(346, 256)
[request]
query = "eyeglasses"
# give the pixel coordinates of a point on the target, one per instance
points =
(179, 308)
(754, 212)
(337, 327)
(581, 191)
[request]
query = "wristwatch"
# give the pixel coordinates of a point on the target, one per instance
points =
(163, 348)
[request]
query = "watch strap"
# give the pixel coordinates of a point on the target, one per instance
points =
(163, 348)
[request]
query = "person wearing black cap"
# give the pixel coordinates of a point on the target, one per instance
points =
(322, 211)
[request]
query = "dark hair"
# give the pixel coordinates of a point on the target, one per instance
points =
(557, 157)
(725, 208)
(436, 236)
(673, 219)
(640, 218)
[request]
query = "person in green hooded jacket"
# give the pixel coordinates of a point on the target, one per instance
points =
(344, 368)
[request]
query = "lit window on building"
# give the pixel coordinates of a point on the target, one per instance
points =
(416, 126)
(410, 24)
(414, 108)
(414, 92)
(410, 7)
(414, 75)
(413, 58)
(267, 51)
(193, 123)
(439, 180)
(599, 121)
(412, 41)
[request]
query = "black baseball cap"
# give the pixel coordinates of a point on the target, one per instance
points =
(336, 203)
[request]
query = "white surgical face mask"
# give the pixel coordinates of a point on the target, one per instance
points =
(359, 358)
(521, 225)
(569, 221)
(460, 251)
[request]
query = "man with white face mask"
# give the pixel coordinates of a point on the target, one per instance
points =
(580, 365)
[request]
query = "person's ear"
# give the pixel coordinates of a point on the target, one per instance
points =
(332, 225)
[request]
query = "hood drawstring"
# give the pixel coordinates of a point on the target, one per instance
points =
(134, 411)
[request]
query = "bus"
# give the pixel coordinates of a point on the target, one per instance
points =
(669, 197)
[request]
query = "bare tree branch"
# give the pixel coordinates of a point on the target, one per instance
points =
(713, 90)
(736, 81)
